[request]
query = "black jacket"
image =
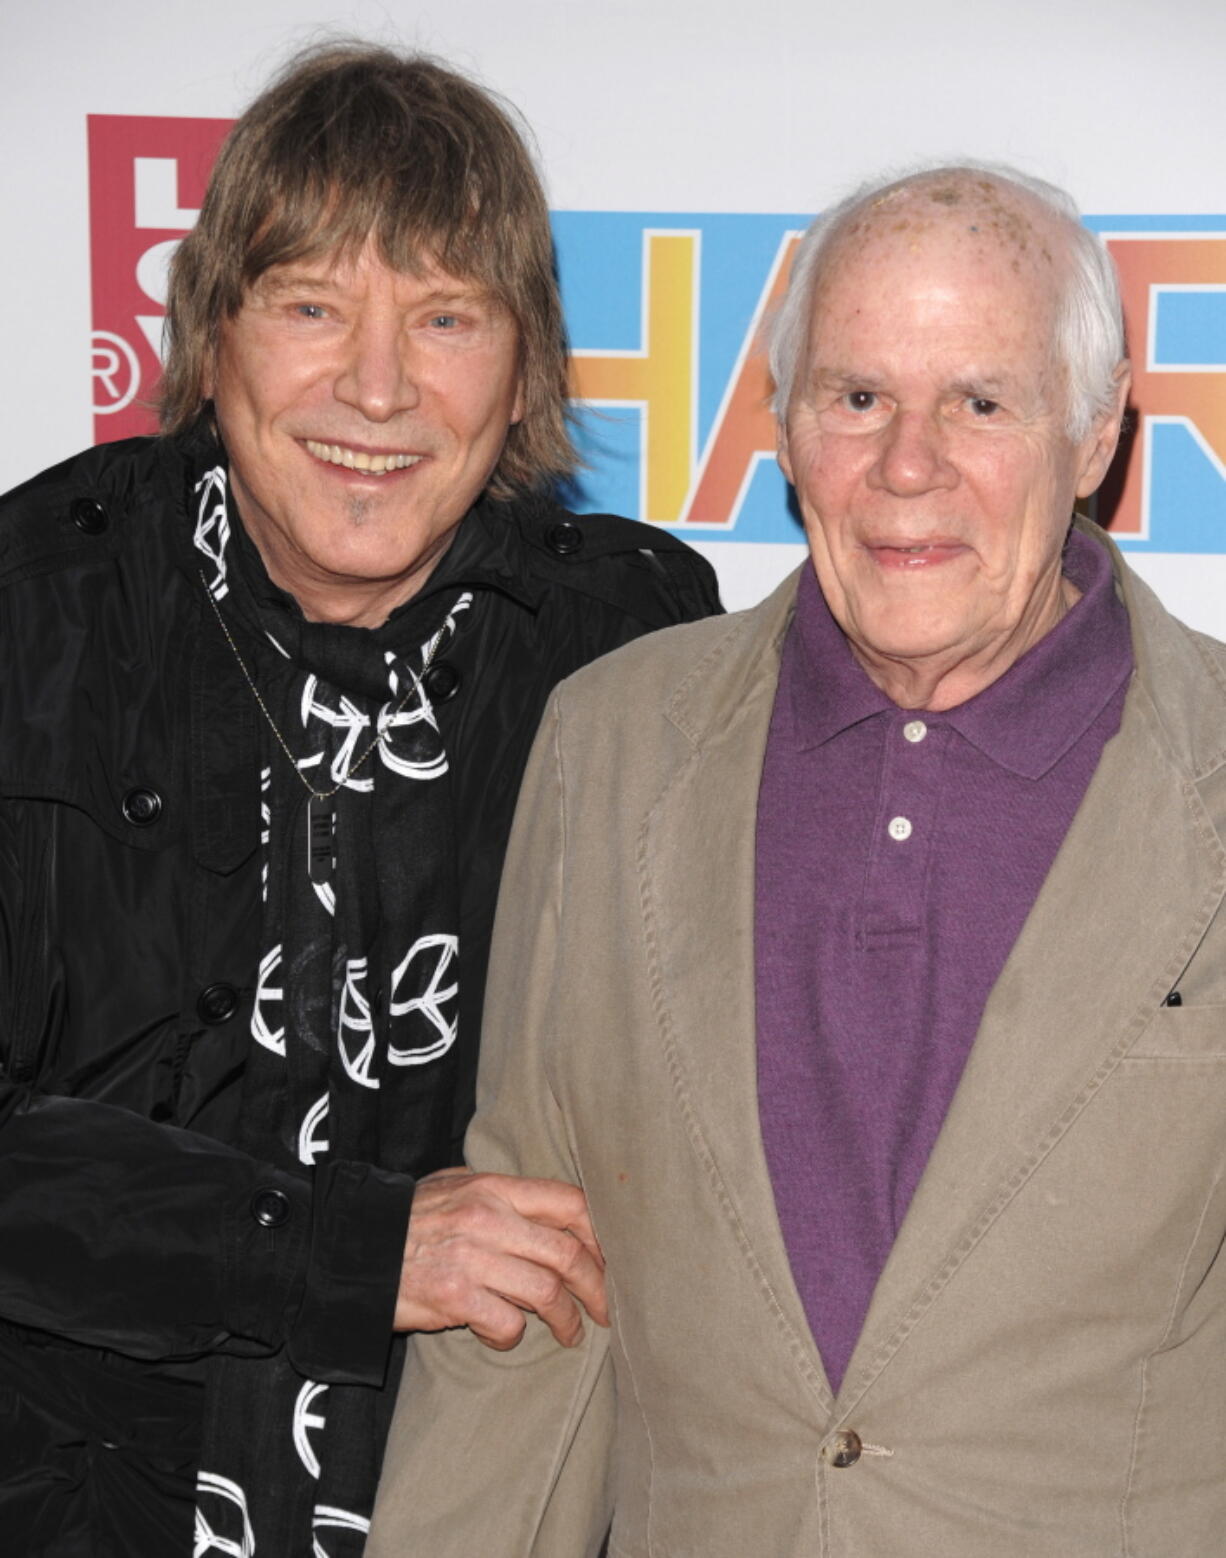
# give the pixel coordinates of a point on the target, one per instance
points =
(131, 1236)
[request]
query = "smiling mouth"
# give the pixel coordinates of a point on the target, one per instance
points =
(922, 554)
(360, 459)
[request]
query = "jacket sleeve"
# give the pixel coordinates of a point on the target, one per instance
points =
(527, 1433)
(161, 1243)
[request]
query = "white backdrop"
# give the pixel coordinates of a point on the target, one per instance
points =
(638, 106)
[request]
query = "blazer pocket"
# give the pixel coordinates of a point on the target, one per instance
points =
(1183, 1033)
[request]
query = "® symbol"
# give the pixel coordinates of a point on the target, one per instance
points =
(116, 371)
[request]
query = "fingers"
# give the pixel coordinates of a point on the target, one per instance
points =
(552, 1203)
(524, 1286)
(483, 1248)
(575, 1267)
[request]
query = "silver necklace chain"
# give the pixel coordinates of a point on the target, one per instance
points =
(318, 795)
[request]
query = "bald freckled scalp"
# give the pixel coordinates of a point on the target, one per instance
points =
(985, 209)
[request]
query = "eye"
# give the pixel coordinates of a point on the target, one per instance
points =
(982, 406)
(310, 310)
(860, 400)
(445, 321)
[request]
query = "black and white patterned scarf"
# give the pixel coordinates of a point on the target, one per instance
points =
(353, 1025)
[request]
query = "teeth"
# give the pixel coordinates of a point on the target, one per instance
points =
(359, 460)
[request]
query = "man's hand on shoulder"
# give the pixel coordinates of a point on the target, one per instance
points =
(484, 1248)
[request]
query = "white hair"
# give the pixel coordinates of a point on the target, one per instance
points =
(1089, 334)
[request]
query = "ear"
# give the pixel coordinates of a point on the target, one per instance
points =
(1098, 447)
(517, 406)
(781, 449)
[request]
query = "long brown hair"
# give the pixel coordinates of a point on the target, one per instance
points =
(354, 143)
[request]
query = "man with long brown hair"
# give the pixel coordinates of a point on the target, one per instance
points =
(270, 683)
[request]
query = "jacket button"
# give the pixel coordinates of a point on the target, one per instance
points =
(564, 538)
(442, 681)
(217, 1003)
(270, 1208)
(89, 516)
(843, 1448)
(141, 806)
(1174, 999)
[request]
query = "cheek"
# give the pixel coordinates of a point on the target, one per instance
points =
(239, 397)
(1024, 524)
(832, 489)
(815, 467)
(1010, 483)
(482, 418)
(261, 379)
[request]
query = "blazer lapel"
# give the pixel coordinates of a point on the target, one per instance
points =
(697, 872)
(1087, 973)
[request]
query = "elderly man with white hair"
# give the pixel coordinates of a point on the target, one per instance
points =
(863, 958)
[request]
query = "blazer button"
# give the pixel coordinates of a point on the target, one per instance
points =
(564, 538)
(89, 516)
(141, 806)
(217, 1003)
(270, 1208)
(442, 681)
(843, 1448)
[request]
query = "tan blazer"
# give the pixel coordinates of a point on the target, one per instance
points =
(1042, 1372)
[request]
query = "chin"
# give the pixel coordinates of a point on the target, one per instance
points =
(909, 632)
(373, 570)
(377, 547)
(907, 650)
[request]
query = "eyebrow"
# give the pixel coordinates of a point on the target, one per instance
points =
(841, 379)
(277, 284)
(272, 282)
(987, 386)
(470, 295)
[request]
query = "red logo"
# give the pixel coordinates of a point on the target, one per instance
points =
(146, 180)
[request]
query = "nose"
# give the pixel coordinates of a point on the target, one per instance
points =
(912, 457)
(377, 377)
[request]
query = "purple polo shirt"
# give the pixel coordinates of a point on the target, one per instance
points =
(898, 854)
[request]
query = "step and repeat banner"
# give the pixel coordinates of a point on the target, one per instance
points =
(664, 303)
